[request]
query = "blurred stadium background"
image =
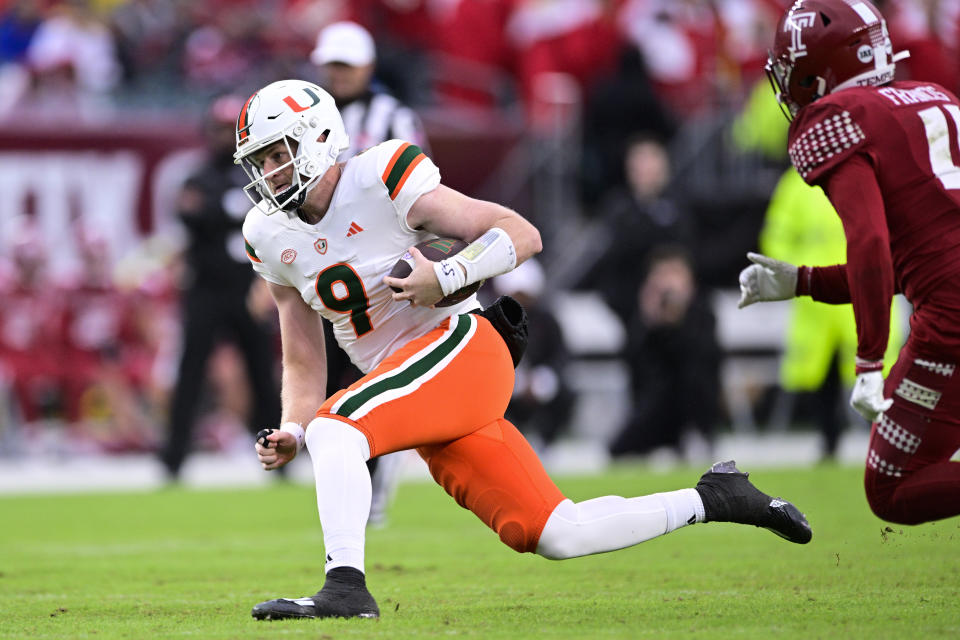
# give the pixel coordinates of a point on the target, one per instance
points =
(532, 103)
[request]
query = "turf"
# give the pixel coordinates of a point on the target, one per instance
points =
(190, 563)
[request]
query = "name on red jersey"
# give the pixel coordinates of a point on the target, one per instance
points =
(916, 95)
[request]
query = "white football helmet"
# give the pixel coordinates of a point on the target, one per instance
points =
(298, 114)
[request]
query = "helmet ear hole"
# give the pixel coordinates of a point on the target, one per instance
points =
(825, 18)
(807, 82)
(323, 136)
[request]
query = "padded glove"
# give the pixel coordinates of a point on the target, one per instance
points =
(766, 279)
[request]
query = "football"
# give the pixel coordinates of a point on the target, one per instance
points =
(436, 249)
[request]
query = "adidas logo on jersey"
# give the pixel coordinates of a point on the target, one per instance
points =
(354, 229)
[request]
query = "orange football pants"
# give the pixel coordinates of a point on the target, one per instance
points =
(445, 394)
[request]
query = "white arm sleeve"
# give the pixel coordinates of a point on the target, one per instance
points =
(489, 255)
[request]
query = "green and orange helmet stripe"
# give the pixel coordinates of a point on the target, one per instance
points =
(243, 121)
(401, 165)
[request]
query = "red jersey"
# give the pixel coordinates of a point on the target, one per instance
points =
(887, 157)
(30, 320)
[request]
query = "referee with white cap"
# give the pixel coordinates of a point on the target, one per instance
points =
(346, 55)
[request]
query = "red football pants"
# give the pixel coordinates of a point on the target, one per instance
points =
(909, 477)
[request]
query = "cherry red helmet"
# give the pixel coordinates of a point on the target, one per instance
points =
(823, 46)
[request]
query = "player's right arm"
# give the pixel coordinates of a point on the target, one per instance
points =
(500, 240)
(304, 377)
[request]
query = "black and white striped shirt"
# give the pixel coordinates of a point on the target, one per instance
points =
(375, 117)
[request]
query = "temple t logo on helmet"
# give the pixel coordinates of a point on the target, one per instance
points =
(795, 24)
(822, 46)
(304, 118)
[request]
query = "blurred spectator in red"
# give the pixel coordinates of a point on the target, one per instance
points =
(491, 52)
(930, 31)
(700, 53)
(574, 37)
(30, 321)
(304, 19)
(406, 31)
(105, 344)
(473, 59)
(410, 24)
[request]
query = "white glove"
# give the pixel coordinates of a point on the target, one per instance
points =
(766, 279)
(867, 397)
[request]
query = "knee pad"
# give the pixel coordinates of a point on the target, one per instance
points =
(327, 434)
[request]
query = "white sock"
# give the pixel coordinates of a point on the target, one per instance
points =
(611, 522)
(339, 454)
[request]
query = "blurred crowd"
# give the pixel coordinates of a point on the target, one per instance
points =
(695, 53)
(81, 351)
(666, 98)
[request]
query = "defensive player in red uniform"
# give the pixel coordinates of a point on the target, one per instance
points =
(886, 154)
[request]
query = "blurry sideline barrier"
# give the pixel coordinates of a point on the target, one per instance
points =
(752, 340)
(596, 373)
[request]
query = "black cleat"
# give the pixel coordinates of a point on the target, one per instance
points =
(344, 595)
(728, 496)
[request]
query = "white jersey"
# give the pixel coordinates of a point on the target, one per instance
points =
(339, 263)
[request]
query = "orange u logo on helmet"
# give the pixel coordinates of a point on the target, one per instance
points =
(295, 106)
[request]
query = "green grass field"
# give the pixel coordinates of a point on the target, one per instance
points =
(190, 563)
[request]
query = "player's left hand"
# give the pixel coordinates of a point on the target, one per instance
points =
(421, 287)
(867, 397)
(275, 448)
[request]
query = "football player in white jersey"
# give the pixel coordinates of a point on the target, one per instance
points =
(345, 56)
(437, 379)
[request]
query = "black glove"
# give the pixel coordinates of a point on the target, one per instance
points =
(510, 320)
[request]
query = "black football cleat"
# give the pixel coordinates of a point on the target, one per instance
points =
(344, 595)
(729, 496)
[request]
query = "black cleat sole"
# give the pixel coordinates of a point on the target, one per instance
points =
(344, 595)
(290, 609)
